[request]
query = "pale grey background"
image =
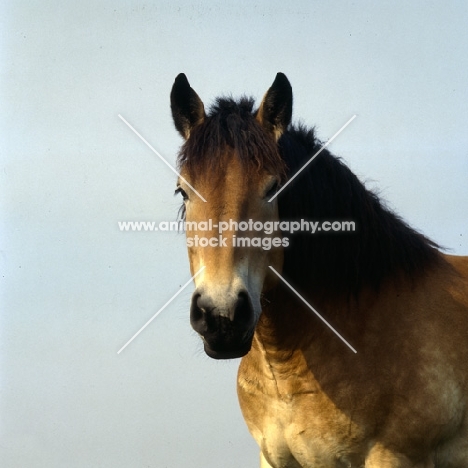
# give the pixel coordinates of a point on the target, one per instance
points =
(75, 289)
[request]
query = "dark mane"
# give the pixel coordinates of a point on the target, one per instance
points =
(382, 245)
(230, 125)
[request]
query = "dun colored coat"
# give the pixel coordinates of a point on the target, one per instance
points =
(309, 400)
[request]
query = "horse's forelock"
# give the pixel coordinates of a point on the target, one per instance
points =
(230, 129)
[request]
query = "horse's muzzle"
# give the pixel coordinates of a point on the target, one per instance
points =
(226, 326)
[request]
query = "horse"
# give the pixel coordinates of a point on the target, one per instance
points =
(397, 396)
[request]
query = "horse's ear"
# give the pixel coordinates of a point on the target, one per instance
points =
(275, 111)
(187, 108)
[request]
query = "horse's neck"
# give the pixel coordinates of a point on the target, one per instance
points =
(288, 326)
(290, 334)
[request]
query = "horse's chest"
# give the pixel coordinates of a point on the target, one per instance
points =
(291, 436)
(301, 429)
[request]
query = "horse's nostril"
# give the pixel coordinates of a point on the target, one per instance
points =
(243, 311)
(196, 311)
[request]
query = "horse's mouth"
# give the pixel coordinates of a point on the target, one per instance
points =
(220, 351)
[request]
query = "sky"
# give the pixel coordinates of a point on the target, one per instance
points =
(74, 289)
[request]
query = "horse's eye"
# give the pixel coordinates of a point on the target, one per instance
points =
(272, 190)
(182, 192)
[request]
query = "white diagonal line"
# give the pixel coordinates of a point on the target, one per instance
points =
(312, 158)
(312, 309)
(161, 309)
(159, 156)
